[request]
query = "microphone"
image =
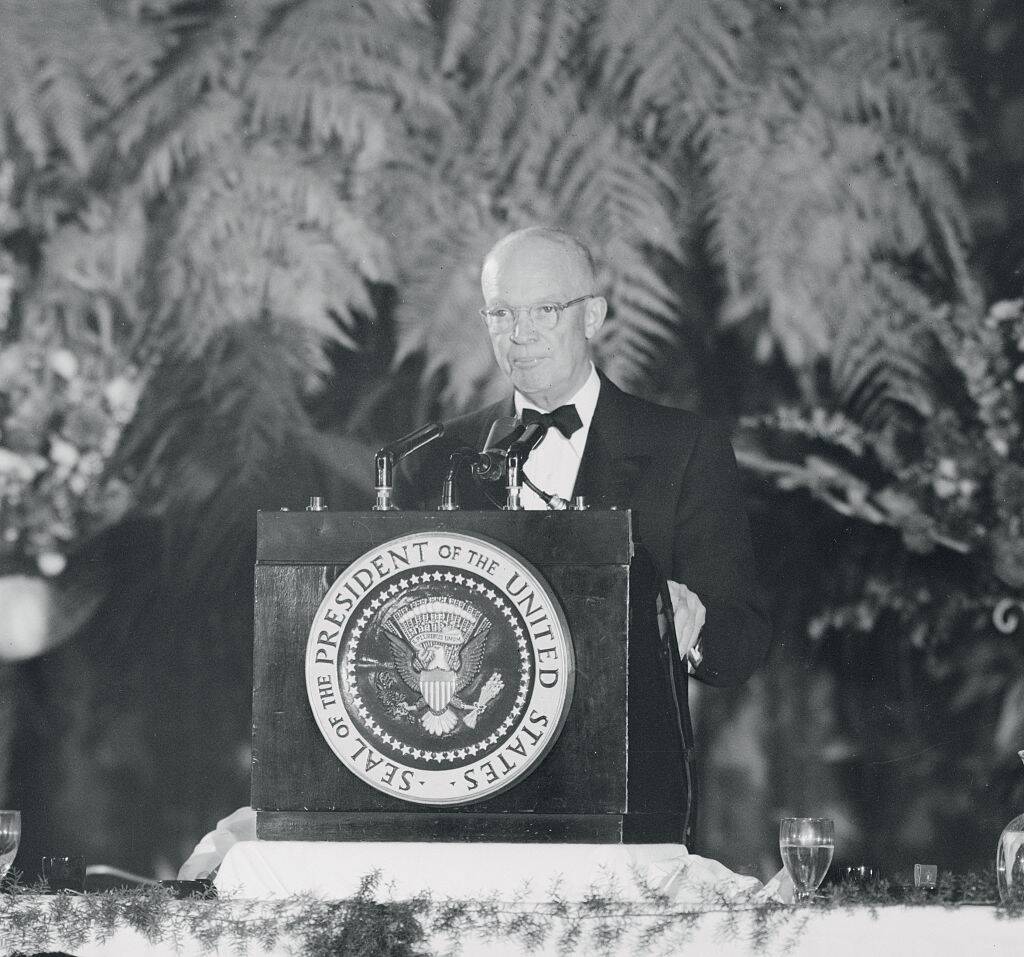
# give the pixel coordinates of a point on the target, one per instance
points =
(389, 455)
(528, 440)
(489, 464)
(410, 443)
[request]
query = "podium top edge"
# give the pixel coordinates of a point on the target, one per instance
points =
(591, 537)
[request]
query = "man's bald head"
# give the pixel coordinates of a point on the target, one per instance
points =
(545, 245)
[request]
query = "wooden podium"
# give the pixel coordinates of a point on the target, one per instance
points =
(615, 773)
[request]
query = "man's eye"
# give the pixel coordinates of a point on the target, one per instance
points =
(500, 315)
(547, 309)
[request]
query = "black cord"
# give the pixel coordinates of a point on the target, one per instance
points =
(545, 497)
(680, 698)
(539, 492)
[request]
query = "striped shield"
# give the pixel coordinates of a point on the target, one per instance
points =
(437, 687)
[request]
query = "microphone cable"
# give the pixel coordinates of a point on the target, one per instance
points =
(680, 696)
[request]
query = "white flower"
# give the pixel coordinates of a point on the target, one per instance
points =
(108, 443)
(63, 362)
(944, 488)
(63, 452)
(91, 463)
(947, 468)
(51, 563)
(1006, 309)
(12, 359)
(1019, 373)
(122, 395)
(20, 467)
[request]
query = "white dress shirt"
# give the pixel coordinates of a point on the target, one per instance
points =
(554, 464)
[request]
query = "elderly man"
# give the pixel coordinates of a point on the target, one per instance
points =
(672, 468)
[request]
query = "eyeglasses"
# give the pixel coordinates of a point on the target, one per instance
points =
(544, 315)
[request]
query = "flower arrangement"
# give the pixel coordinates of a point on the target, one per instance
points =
(918, 565)
(62, 415)
(957, 485)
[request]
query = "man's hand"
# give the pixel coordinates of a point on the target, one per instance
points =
(688, 616)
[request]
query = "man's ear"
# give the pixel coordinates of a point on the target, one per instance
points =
(596, 310)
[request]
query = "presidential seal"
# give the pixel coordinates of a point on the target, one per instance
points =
(439, 668)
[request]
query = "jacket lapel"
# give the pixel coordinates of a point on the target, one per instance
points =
(615, 458)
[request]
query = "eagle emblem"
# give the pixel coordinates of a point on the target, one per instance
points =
(437, 646)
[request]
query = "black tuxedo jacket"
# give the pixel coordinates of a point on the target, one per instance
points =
(678, 473)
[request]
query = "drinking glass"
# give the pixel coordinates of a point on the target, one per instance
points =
(64, 873)
(10, 837)
(807, 845)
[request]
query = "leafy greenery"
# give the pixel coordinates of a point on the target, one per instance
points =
(273, 158)
(191, 174)
(362, 925)
(958, 489)
(359, 926)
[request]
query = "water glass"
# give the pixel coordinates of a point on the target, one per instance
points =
(807, 845)
(10, 837)
(64, 873)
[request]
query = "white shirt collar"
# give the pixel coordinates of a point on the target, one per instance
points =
(585, 400)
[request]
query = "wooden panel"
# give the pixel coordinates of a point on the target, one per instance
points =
(293, 767)
(615, 774)
(530, 828)
(326, 538)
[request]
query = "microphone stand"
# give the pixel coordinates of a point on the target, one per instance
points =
(450, 488)
(514, 481)
(518, 452)
(390, 455)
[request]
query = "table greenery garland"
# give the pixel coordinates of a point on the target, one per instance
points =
(364, 927)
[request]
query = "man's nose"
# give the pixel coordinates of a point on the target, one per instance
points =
(524, 329)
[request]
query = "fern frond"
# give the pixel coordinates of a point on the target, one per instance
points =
(833, 170)
(671, 59)
(214, 435)
(462, 28)
(261, 234)
(883, 358)
(320, 57)
(100, 252)
(54, 93)
(439, 287)
(17, 99)
(210, 124)
(207, 60)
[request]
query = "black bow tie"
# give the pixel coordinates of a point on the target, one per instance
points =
(565, 418)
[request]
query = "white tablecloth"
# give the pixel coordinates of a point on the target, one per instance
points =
(532, 872)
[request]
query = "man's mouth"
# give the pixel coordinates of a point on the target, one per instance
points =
(527, 362)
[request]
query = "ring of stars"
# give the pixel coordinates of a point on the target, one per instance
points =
(367, 613)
